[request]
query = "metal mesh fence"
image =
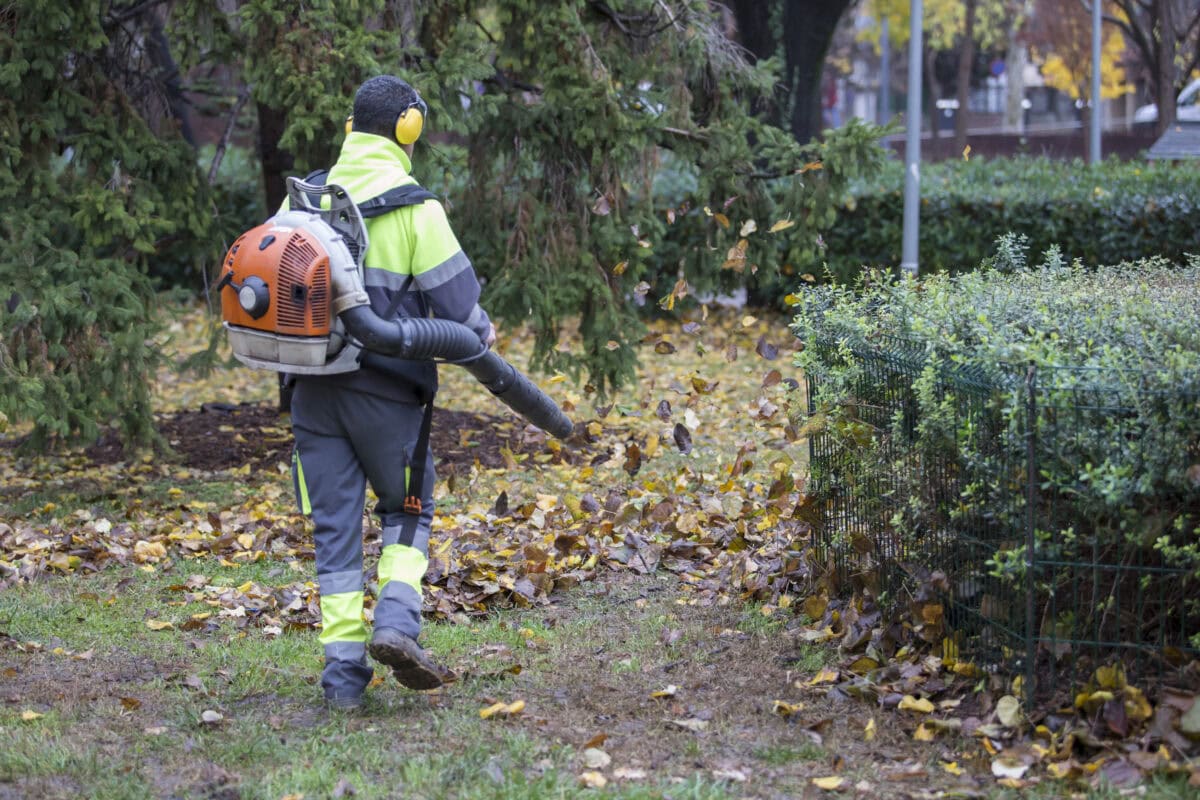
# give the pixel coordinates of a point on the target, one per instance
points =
(1052, 510)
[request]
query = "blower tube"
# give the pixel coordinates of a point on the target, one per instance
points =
(420, 339)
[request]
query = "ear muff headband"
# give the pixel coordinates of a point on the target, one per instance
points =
(409, 123)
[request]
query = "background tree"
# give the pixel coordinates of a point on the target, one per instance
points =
(1062, 32)
(961, 27)
(605, 158)
(799, 32)
(1165, 35)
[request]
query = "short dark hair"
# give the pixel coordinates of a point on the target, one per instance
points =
(379, 101)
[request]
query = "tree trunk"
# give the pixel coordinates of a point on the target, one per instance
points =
(755, 33)
(808, 28)
(159, 51)
(966, 60)
(1164, 66)
(934, 88)
(275, 160)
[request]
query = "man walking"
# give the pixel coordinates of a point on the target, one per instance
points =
(373, 424)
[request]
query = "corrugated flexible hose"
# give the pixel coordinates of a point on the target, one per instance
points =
(420, 339)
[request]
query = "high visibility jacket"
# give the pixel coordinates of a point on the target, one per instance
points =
(414, 240)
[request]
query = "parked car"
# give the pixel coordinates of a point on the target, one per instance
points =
(1187, 107)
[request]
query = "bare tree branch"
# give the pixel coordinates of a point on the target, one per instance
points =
(222, 145)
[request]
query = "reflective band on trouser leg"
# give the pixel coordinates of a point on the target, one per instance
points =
(341, 618)
(401, 569)
(300, 485)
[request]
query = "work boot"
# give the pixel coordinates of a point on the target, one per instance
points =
(344, 682)
(411, 665)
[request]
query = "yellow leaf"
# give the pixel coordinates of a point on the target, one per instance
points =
(812, 165)
(869, 730)
(667, 692)
(748, 227)
(30, 716)
(502, 709)
(826, 675)
(748, 320)
(787, 709)
(910, 703)
(967, 153)
(619, 269)
(781, 225)
(1111, 678)
(1008, 711)
(815, 605)
(246, 540)
(148, 551)
(593, 779)
(952, 767)
(924, 733)
(863, 665)
(721, 219)
(808, 277)
(829, 784)
(158, 624)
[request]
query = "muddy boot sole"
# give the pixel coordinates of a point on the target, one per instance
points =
(410, 664)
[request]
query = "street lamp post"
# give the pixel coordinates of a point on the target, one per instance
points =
(912, 146)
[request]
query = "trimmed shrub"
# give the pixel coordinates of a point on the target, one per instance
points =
(1031, 436)
(1105, 213)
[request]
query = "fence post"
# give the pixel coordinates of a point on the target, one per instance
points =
(1030, 536)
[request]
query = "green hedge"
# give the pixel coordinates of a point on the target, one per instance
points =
(941, 408)
(1106, 213)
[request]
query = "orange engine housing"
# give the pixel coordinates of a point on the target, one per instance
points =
(295, 268)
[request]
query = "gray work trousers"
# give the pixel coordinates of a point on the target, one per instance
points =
(343, 440)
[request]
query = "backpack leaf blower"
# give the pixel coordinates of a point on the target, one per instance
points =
(297, 303)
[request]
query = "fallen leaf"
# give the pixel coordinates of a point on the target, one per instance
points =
(158, 624)
(502, 709)
(786, 709)
(830, 783)
(1008, 711)
(826, 675)
(30, 716)
(593, 780)
(869, 730)
(209, 717)
(1009, 767)
(910, 703)
(667, 692)
(781, 225)
(595, 758)
(629, 774)
(693, 724)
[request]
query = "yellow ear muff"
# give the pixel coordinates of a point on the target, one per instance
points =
(409, 125)
(349, 124)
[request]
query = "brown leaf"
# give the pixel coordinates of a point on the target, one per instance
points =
(664, 348)
(633, 458)
(683, 438)
(771, 379)
(765, 349)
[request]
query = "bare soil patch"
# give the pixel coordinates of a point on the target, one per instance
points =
(220, 436)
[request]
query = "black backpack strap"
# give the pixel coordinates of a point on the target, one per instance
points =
(416, 480)
(408, 195)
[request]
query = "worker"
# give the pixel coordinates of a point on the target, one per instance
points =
(372, 424)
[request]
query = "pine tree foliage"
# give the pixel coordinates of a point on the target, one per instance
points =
(97, 186)
(598, 159)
